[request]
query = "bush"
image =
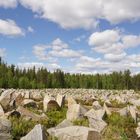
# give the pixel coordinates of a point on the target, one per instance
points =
(20, 127)
(81, 122)
(119, 128)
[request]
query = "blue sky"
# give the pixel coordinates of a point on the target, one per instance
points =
(84, 36)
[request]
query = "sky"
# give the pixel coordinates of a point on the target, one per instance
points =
(77, 36)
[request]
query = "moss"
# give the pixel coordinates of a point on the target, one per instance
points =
(81, 122)
(119, 128)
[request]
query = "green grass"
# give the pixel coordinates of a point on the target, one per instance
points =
(81, 122)
(20, 127)
(115, 104)
(119, 128)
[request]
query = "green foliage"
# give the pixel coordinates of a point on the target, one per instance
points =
(81, 122)
(119, 128)
(12, 77)
(20, 127)
(54, 117)
(116, 104)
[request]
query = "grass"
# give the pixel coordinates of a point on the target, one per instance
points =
(119, 128)
(21, 127)
(81, 122)
(115, 104)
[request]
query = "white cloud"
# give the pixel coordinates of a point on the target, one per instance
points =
(2, 52)
(56, 49)
(10, 28)
(8, 3)
(54, 66)
(84, 13)
(131, 41)
(30, 29)
(27, 65)
(112, 44)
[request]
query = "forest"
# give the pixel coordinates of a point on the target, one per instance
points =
(13, 77)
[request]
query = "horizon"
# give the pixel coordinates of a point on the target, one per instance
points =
(88, 37)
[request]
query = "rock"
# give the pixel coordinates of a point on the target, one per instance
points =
(98, 125)
(123, 112)
(27, 95)
(96, 105)
(13, 113)
(76, 133)
(49, 103)
(5, 99)
(60, 100)
(1, 111)
(71, 101)
(28, 114)
(36, 96)
(135, 102)
(37, 133)
(95, 114)
(138, 130)
(5, 125)
(63, 124)
(132, 111)
(76, 111)
(29, 103)
(4, 136)
(108, 112)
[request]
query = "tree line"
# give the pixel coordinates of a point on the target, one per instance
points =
(13, 77)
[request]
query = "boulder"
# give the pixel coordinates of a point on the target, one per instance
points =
(75, 111)
(29, 103)
(95, 114)
(96, 105)
(37, 133)
(60, 100)
(1, 111)
(108, 112)
(49, 103)
(138, 130)
(132, 111)
(123, 112)
(5, 125)
(28, 114)
(13, 113)
(71, 101)
(5, 128)
(98, 125)
(36, 96)
(76, 133)
(5, 99)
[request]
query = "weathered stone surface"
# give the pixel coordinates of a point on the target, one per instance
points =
(71, 101)
(60, 100)
(36, 96)
(138, 130)
(5, 98)
(123, 112)
(95, 114)
(1, 111)
(75, 111)
(98, 125)
(13, 113)
(76, 133)
(4, 136)
(5, 125)
(132, 111)
(108, 112)
(28, 114)
(29, 103)
(37, 133)
(49, 103)
(96, 105)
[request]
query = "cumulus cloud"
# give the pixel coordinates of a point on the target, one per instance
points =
(10, 28)
(112, 44)
(84, 13)
(8, 3)
(2, 52)
(56, 49)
